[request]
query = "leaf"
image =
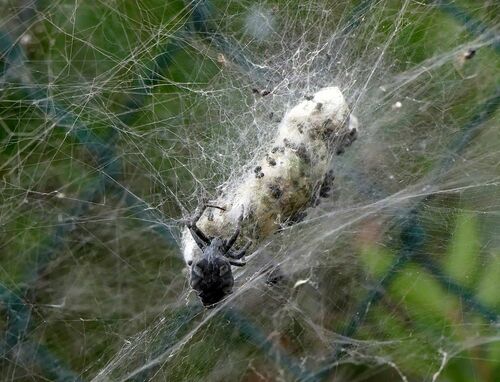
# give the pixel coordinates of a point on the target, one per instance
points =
(463, 254)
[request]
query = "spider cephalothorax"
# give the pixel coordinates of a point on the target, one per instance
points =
(211, 275)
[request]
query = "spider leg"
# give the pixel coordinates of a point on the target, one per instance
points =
(237, 263)
(230, 242)
(239, 254)
(199, 237)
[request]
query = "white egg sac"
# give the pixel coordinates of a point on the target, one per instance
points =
(293, 175)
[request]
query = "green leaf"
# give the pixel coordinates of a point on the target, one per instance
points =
(487, 291)
(463, 254)
(424, 299)
(376, 260)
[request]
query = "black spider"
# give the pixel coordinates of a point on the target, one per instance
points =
(211, 276)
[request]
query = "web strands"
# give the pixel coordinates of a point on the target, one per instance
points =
(309, 275)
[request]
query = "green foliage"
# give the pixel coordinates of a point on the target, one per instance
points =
(418, 300)
(112, 281)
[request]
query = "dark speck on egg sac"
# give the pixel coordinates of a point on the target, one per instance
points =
(276, 191)
(271, 160)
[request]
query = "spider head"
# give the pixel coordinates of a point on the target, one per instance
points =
(212, 278)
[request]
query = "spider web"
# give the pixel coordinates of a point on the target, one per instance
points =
(118, 118)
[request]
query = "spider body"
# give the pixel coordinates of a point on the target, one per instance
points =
(211, 275)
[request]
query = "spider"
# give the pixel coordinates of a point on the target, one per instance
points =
(211, 275)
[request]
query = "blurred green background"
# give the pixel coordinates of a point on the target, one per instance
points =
(116, 116)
